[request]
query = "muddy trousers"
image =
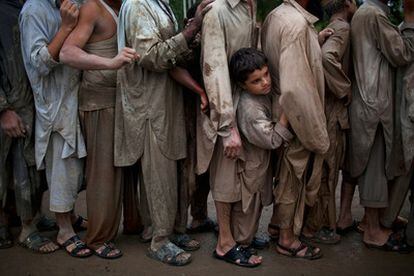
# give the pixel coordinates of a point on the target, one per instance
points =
(158, 190)
(103, 180)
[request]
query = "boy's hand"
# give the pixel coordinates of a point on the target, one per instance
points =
(232, 144)
(69, 13)
(126, 56)
(204, 102)
(324, 34)
(283, 120)
(12, 124)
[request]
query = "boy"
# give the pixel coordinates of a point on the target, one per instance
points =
(248, 68)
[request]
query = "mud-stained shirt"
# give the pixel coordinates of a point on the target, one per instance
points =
(15, 91)
(227, 27)
(290, 41)
(55, 86)
(377, 48)
(146, 92)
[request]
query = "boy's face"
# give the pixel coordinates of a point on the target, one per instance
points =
(258, 82)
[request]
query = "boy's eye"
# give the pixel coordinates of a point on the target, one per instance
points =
(256, 81)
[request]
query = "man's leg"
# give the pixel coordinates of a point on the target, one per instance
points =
(373, 186)
(199, 200)
(64, 177)
(104, 181)
(347, 194)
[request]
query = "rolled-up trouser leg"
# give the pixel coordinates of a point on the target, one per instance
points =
(398, 192)
(64, 176)
(244, 224)
(373, 183)
(160, 180)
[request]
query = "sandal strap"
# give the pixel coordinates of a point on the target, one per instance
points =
(294, 251)
(79, 245)
(237, 253)
(107, 249)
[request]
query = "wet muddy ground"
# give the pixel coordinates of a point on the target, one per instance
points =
(350, 257)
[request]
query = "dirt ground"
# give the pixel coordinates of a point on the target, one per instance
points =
(350, 257)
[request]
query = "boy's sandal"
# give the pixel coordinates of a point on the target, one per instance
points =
(35, 242)
(324, 236)
(275, 228)
(6, 239)
(185, 242)
(310, 253)
(170, 254)
(106, 251)
(77, 226)
(79, 246)
(348, 229)
(237, 255)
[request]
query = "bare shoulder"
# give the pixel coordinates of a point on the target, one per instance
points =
(91, 9)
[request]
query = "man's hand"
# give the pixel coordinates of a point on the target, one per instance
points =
(194, 24)
(324, 34)
(69, 13)
(126, 56)
(204, 102)
(232, 144)
(409, 11)
(12, 124)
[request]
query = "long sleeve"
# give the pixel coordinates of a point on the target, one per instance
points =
(216, 73)
(34, 41)
(155, 53)
(333, 51)
(257, 127)
(396, 47)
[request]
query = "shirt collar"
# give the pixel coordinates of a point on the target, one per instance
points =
(308, 16)
(380, 5)
(233, 3)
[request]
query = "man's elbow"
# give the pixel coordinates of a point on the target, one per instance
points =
(65, 55)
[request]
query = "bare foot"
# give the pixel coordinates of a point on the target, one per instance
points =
(377, 236)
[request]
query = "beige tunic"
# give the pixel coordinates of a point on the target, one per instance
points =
(290, 41)
(336, 58)
(227, 27)
(147, 92)
(377, 47)
(259, 135)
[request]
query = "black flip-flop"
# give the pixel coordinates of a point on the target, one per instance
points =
(234, 254)
(393, 244)
(105, 252)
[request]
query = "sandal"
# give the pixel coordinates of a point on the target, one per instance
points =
(185, 242)
(46, 224)
(107, 249)
(6, 239)
(259, 243)
(293, 252)
(275, 228)
(79, 246)
(77, 226)
(170, 254)
(237, 253)
(207, 226)
(393, 244)
(324, 236)
(348, 229)
(35, 242)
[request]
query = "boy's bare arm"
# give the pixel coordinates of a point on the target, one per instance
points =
(69, 13)
(72, 52)
(183, 77)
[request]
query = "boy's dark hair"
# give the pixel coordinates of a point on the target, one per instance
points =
(244, 62)
(333, 6)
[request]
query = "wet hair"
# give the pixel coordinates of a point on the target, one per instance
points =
(244, 62)
(334, 6)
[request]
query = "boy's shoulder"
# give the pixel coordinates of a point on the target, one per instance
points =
(251, 105)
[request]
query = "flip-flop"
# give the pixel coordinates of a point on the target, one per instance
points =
(6, 239)
(35, 241)
(324, 236)
(79, 246)
(185, 242)
(393, 244)
(293, 252)
(236, 253)
(108, 247)
(169, 253)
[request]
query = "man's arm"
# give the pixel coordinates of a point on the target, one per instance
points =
(183, 77)
(72, 52)
(332, 55)
(41, 53)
